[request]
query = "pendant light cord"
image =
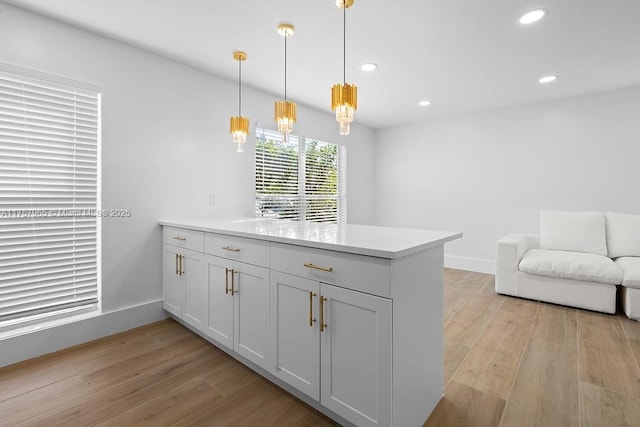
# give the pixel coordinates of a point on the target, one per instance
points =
(239, 88)
(285, 67)
(344, 42)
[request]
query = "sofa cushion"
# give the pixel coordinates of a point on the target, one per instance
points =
(573, 231)
(630, 271)
(623, 235)
(571, 265)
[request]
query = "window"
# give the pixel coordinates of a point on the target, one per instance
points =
(49, 134)
(301, 180)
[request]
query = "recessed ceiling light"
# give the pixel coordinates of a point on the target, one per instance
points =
(424, 103)
(368, 67)
(532, 16)
(548, 79)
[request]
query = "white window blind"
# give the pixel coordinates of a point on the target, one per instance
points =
(301, 180)
(49, 135)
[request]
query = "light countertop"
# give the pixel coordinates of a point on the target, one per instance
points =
(382, 242)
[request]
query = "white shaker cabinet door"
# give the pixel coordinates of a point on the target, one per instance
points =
(251, 313)
(172, 281)
(220, 324)
(295, 333)
(356, 355)
(196, 308)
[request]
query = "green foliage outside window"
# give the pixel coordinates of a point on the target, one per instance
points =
(280, 193)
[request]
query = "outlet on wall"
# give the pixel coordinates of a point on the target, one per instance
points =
(212, 199)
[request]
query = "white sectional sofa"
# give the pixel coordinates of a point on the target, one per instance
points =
(578, 259)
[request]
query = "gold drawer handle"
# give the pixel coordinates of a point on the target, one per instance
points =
(233, 286)
(182, 239)
(311, 319)
(323, 326)
(229, 248)
(317, 267)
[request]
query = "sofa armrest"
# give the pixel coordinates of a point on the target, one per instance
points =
(510, 250)
(512, 247)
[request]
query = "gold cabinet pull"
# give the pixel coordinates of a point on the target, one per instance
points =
(229, 248)
(323, 325)
(233, 288)
(226, 281)
(177, 271)
(182, 239)
(317, 267)
(311, 319)
(181, 258)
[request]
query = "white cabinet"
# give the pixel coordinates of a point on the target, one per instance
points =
(238, 300)
(220, 326)
(349, 318)
(195, 288)
(173, 283)
(251, 313)
(295, 336)
(361, 273)
(355, 355)
(184, 285)
(334, 345)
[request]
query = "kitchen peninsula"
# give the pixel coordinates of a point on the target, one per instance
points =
(346, 317)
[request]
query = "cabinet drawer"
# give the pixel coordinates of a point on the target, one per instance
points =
(183, 238)
(358, 272)
(251, 251)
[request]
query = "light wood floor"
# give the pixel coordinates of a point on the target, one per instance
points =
(508, 362)
(515, 362)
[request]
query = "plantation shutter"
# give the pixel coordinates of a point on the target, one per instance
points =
(302, 179)
(49, 134)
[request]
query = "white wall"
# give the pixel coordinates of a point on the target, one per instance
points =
(489, 173)
(166, 143)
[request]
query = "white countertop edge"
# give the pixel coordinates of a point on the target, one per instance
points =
(375, 252)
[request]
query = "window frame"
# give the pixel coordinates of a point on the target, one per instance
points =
(301, 195)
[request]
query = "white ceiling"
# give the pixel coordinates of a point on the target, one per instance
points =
(464, 55)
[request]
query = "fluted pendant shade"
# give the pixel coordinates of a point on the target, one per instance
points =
(344, 97)
(285, 111)
(344, 101)
(238, 125)
(285, 116)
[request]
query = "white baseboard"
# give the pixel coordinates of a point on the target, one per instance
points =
(486, 266)
(27, 346)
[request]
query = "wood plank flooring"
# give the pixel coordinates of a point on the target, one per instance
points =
(508, 362)
(515, 362)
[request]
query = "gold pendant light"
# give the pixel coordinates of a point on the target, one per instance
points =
(239, 125)
(344, 97)
(285, 111)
